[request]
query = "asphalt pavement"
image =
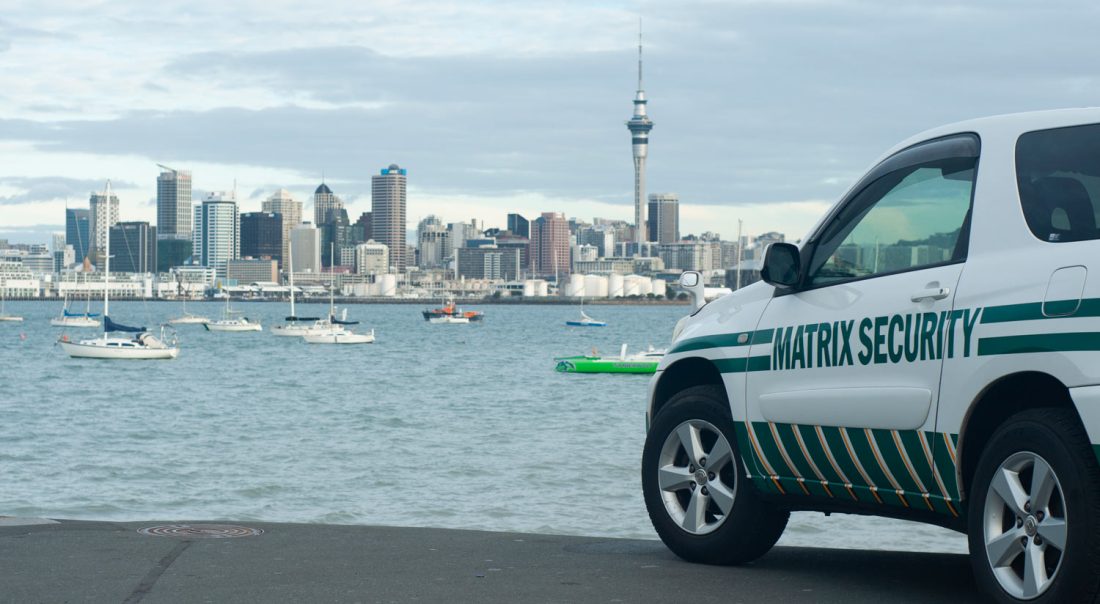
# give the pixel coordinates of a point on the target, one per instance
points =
(163, 562)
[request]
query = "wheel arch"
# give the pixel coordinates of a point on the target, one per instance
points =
(999, 400)
(684, 373)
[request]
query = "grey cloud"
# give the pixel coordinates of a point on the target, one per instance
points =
(48, 188)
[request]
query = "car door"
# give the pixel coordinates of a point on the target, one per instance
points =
(846, 409)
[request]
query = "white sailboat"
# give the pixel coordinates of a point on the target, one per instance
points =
(76, 319)
(187, 318)
(334, 330)
(4, 316)
(231, 323)
(585, 320)
(295, 325)
(143, 345)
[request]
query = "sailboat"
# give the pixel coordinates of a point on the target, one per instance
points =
(187, 318)
(295, 325)
(585, 320)
(4, 316)
(76, 319)
(231, 323)
(334, 331)
(143, 345)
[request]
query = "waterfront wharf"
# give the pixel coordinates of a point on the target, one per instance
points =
(167, 562)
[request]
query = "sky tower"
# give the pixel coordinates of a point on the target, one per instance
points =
(639, 127)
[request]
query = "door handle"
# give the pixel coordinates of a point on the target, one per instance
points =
(935, 293)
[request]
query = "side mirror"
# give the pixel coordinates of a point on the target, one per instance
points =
(692, 283)
(782, 265)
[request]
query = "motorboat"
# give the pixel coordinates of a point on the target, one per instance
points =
(450, 310)
(449, 320)
(142, 345)
(641, 362)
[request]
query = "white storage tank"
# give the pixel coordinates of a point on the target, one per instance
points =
(542, 288)
(595, 286)
(574, 288)
(614, 286)
(660, 288)
(631, 286)
(388, 285)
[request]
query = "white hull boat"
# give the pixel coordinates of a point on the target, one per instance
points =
(298, 329)
(449, 320)
(10, 319)
(145, 346)
(189, 320)
(341, 336)
(74, 322)
(241, 324)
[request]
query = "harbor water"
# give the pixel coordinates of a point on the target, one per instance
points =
(454, 426)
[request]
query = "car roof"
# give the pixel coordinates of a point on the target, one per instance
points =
(1010, 124)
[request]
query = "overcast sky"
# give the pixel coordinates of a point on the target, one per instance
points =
(764, 110)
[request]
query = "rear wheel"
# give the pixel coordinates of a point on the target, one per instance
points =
(1034, 515)
(694, 484)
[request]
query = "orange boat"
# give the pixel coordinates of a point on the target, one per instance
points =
(450, 310)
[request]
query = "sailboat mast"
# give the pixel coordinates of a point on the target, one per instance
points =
(290, 263)
(107, 258)
(331, 283)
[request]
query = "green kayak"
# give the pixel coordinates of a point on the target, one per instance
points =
(644, 362)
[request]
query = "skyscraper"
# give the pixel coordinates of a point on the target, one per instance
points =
(388, 213)
(432, 242)
(262, 235)
(307, 248)
(323, 201)
(664, 217)
(519, 225)
(217, 232)
(133, 247)
(283, 204)
(550, 244)
(104, 215)
(173, 204)
(78, 231)
(639, 126)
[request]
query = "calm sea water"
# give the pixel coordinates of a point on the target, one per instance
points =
(458, 426)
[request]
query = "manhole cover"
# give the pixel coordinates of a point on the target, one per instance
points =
(200, 531)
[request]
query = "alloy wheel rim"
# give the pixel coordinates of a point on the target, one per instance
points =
(1025, 525)
(697, 476)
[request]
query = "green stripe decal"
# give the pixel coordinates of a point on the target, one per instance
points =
(743, 364)
(794, 451)
(726, 340)
(870, 464)
(813, 444)
(843, 458)
(944, 464)
(744, 445)
(1047, 342)
(1032, 311)
(889, 449)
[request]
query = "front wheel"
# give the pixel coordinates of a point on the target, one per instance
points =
(1034, 515)
(694, 484)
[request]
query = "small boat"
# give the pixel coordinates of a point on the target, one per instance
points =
(586, 321)
(639, 362)
(450, 310)
(339, 336)
(295, 325)
(448, 320)
(76, 319)
(187, 318)
(231, 323)
(143, 345)
(6, 317)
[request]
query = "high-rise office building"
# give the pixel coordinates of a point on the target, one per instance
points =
(432, 240)
(78, 231)
(173, 204)
(216, 234)
(388, 213)
(172, 253)
(283, 204)
(519, 225)
(639, 126)
(104, 215)
(550, 244)
(133, 247)
(372, 258)
(306, 240)
(335, 236)
(664, 217)
(324, 201)
(262, 235)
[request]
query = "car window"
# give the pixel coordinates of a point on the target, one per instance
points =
(1058, 176)
(907, 219)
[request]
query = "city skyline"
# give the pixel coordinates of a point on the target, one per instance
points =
(768, 111)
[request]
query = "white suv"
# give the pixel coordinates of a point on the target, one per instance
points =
(931, 352)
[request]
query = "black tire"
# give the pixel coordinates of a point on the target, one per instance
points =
(750, 527)
(1072, 575)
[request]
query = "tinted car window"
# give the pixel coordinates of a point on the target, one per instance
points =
(1058, 176)
(907, 219)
